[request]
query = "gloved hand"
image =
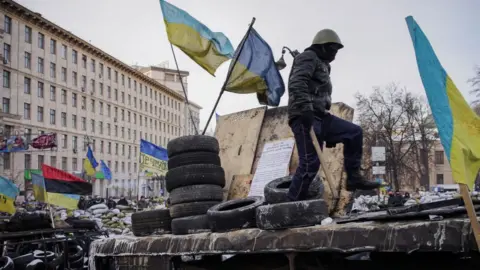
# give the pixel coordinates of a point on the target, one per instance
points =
(307, 119)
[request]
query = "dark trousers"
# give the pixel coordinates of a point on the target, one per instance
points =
(329, 129)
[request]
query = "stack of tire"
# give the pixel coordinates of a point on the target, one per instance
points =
(281, 213)
(146, 223)
(195, 180)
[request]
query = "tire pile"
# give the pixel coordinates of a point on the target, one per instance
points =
(195, 180)
(281, 213)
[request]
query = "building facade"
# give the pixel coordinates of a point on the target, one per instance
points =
(176, 82)
(53, 81)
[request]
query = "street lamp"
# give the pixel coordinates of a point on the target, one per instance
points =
(281, 64)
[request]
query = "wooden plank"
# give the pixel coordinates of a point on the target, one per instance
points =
(237, 135)
(240, 186)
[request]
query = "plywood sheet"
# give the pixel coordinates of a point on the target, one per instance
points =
(240, 186)
(275, 127)
(237, 135)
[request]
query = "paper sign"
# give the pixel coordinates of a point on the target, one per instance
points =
(273, 164)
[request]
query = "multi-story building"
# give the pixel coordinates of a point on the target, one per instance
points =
(174, 81)
(53, 81)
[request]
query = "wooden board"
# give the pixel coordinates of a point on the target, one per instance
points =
(240, 186)
(275, 127)
(237, 135)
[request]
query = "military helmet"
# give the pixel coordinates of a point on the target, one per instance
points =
(327, 36)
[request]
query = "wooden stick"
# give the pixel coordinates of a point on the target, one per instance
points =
(472, 215)
(323, 164)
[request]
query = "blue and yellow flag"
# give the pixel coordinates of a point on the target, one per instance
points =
(255, 71)
(90, 163)
(458, 125)
(208, 49)
(8, 194)
(153, 159)
(39, 191)
(106, 170)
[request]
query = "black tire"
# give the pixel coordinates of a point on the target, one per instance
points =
(276, 190)
(42, 255)
(192, 143)
(151, 222)
(36, 264)
(21, 261)
(196, 174)
(84, 224)
(191, 209)
(196, 193)
(291, 214)
(190, 225)
(190, 158)
(234, 214)
(161, 214)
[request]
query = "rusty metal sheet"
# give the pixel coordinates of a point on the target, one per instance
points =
(450, 235)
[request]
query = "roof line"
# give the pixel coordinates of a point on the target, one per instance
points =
(38, 20)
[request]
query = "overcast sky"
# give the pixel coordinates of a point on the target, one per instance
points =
(378, 48)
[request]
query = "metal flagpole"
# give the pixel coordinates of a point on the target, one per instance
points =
(184, 90)
(229, 74)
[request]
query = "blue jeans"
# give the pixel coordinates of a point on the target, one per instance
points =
(329, 129)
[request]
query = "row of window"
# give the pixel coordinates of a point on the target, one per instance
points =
(157, 111)
(96, 127)
(93, 64)
(125, 115)
(125, 167)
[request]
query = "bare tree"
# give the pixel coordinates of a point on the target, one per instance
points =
(384, 116)
(424, 136)
(476, 108)
(475, 81)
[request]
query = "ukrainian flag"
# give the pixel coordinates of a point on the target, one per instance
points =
(8, 194)
(153, 158)
(39, 190)
(255, 71)
(90, 163)
(458, 125)
(208, 49)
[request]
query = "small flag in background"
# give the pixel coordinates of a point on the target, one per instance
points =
(217, 116)
(90, 163)
(39, 191)
(458, 125)
(8, 193)
(64, 189)
(255, 71)
(153, 158)
(106, 171)
(208, 49)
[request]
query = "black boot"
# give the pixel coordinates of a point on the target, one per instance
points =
(356, 181)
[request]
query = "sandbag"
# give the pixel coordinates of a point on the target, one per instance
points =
(98, 206)
(100, 211)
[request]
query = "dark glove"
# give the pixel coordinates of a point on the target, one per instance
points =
(330, 145)
(307, 119)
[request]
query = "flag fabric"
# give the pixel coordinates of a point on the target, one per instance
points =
(208, 49)
(255, 71)
(90, 163)
(8, 194)
(458, 125)
(217, 116)
(64, 189)
(106, 171)
(39, 191)
(153, 158)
